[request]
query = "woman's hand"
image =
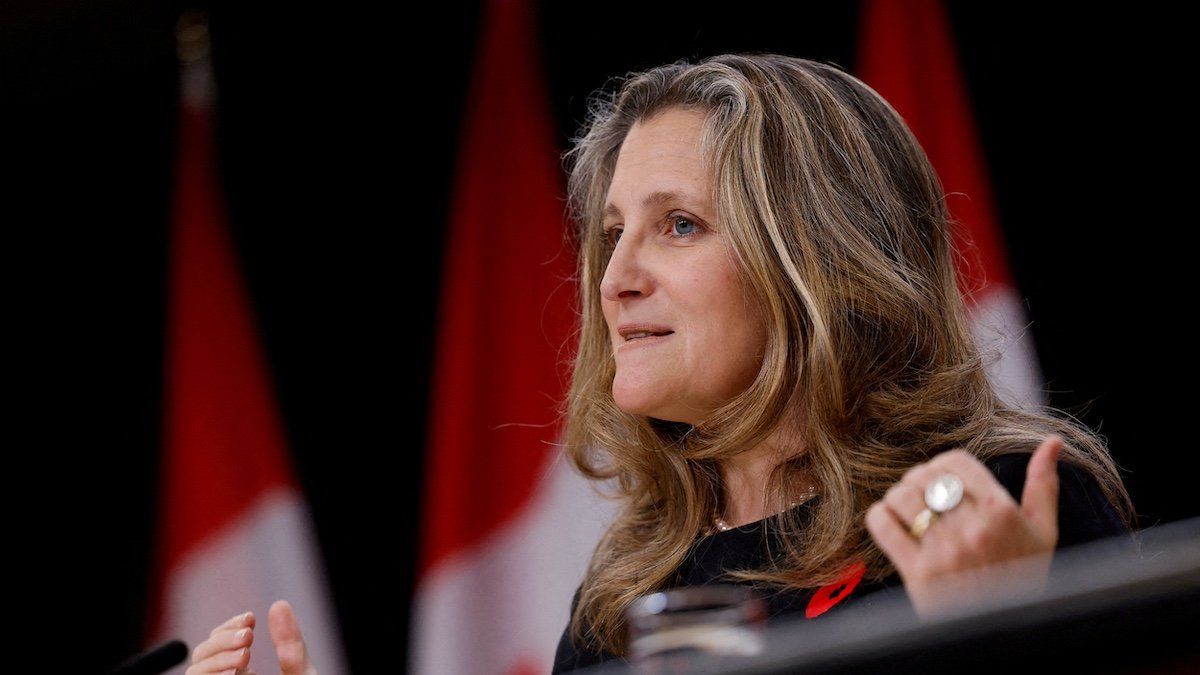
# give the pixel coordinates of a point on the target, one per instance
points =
(227, 649)
(988, 539)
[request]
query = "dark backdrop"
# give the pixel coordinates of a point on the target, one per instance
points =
(337, 132)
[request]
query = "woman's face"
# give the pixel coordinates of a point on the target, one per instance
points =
(672, 272)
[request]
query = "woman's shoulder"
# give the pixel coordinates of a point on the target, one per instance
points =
(1084, 512)
(570, 655)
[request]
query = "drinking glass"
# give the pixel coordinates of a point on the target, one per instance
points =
(668, 629)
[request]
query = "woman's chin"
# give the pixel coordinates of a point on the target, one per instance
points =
(636, 401)
(635, 408)
(647, 407)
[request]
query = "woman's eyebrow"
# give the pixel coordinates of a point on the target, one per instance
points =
(656, 198)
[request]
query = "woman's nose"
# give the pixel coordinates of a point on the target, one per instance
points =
(625, 274)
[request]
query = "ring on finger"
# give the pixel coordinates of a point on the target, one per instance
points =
(942, 495)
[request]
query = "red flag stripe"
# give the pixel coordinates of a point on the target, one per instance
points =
(505, 307)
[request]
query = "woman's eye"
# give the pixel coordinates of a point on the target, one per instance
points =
(681, 227)
(675, 220)
(610, 237)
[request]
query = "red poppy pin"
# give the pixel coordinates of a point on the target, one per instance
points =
(828, 596)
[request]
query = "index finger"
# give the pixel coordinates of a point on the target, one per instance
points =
(244, 619)
(223, 640)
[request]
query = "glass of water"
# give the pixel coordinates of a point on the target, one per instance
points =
(669, 628)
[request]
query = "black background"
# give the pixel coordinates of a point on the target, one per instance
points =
(337, 135)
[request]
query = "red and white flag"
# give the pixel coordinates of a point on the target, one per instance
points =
(907, 54)
(507, 526)
(234, 530)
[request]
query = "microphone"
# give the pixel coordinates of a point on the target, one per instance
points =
(154, 661)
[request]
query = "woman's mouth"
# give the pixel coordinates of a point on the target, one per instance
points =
(636, 340)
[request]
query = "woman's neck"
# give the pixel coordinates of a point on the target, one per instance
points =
(745, 478)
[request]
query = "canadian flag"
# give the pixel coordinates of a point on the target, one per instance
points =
(234, 531)
(907, 54)
(507, 526)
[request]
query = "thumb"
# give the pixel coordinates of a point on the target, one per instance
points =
(1039, 499)
(289, 643)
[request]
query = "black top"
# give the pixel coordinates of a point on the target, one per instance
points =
(1084, 514)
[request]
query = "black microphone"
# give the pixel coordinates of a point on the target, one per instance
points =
(154, 661)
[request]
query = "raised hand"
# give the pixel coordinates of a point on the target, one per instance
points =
(227, 649)
(986, 539)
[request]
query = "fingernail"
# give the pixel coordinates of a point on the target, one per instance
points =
(242, 633)
(245, 617)
(243, 652)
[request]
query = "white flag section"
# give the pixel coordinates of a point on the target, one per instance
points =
(1001, 332)
(502, 607)
(268, 553)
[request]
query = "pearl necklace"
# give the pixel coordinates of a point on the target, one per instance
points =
(723, 526)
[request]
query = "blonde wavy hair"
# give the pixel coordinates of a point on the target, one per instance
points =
(842, 237)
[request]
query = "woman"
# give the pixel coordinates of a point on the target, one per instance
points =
(773, 342)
